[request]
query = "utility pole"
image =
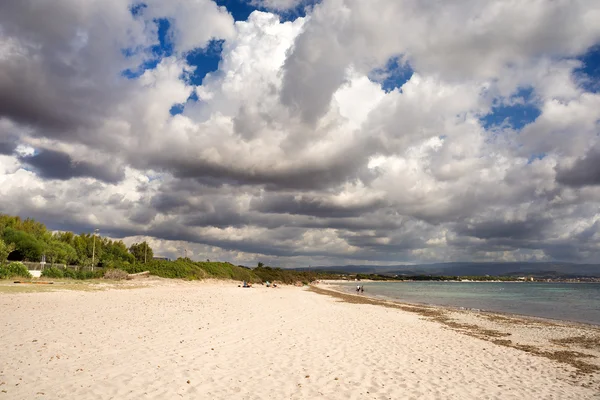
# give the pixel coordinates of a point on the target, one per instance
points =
(94, 248)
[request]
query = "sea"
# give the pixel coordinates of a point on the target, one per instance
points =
(576, 302)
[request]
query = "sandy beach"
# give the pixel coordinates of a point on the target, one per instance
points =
(214, 340)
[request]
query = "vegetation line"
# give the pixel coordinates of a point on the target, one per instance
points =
(89, 256)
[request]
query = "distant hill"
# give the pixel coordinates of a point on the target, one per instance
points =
(537, 269)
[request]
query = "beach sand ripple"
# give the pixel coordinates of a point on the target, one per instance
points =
(219, 341)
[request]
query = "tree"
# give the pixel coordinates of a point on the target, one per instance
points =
(60, 252)
(27, 247)
(141, 251)
(67, 237)
(28, 225)
(5, 250)
(115, 253)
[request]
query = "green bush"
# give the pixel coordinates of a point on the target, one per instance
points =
(73, 274)
(89, 274)
(184, 268)
(287, 276)
(14, 270)
(228, 271)
(181, 268)
(53, 272)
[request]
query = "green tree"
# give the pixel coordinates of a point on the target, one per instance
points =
(141, 251)
(84, 246)
(35, 229)
(66, 237)
(5, 250)
(60, 252)
(9, 221)
(27, 247)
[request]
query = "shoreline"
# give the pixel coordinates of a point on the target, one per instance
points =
(335, 284)
(533, 318)
(471, 322)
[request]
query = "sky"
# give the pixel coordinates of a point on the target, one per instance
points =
(298, 133)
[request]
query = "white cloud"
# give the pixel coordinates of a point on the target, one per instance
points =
(194, 22)
(277, 5)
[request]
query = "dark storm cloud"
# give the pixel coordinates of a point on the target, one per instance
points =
(166, 202)
(585, 171)
(142, 216)
(119, 202)
(564, 251)
(323, 175)
(173, 230)
(375, 220)
(50, 164)
(306, 205)
(7, 146)
(27, 99)
(518, 230)
(219, 220)
(385, 243)
(59, 75)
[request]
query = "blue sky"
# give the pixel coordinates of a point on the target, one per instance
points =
(521, 109)
(589, 73)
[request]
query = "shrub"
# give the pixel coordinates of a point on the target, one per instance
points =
(180, 268)
(287, 276)
(53, 272)
(14, 270)
(70, 273)
(89, 274)
(115, 274)
(73, 274)
(184, 268)
(228, 271)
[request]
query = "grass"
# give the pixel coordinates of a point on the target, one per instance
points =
(60, 284)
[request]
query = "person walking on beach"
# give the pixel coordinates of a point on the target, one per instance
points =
(357, 289)
(362, 289)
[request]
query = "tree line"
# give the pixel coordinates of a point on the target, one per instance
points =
(29, 240)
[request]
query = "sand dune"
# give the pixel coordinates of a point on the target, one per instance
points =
(217, 341)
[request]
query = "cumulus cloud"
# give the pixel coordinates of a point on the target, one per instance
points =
(357, 133)
(584, 171)
(51, 164)
(277, 5)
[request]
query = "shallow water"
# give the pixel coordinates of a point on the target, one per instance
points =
(579, 302)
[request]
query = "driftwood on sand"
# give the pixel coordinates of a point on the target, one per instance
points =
(144, 274)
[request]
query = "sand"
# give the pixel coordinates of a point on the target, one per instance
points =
(195, 340)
